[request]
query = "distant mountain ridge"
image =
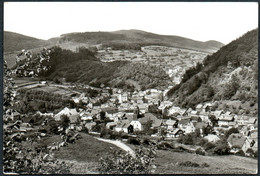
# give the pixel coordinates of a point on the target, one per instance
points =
(15, 42)
(140, 37)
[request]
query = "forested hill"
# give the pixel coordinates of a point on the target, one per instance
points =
(15, 42)
(228, 74)
(59, 64)
(122, 39)
(136, 38)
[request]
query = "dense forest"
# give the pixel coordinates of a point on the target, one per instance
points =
(229, 74)
(61, 65)
(142, 76)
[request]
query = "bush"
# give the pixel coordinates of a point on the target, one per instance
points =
(209, 146)
(205, 165)
(165, 146)
(200, 151)
(230, 131)
(222, 148)
(123, 163)
(146, 141)
(252, 153)
(189, 164)
(202, 142)
(240, 153)
(187, 139)
(193, 164)
(133, 141)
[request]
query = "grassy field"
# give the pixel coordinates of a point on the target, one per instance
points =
(167, 162)
(85, 153)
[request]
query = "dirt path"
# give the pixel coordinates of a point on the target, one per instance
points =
(118, 144)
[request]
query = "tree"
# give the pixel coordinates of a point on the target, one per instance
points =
(222, 147)
(65, 121)
(124, 163)
(147, 127)
(230, 131)
(213, 119)
(102, 115)
(207, 130)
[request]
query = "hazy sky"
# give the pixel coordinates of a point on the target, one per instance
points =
(199, 21)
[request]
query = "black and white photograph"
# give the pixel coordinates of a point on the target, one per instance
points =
(130, 88)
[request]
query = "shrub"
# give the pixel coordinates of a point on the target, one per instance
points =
(146, 141)
(222, 148)
(230, 131)
(123, 163)
(209, 146)
(252, 153)
(200, 151)
(164, 146)
(133, 141)
(189, 164)
(205, 165)
(104, 133)
(187, 139)
(240, 153)
(202, 142)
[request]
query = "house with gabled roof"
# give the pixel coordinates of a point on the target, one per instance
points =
(195, 118)
(186, 125)
(225, 120)
(151, 117)
(252, 121)
(218, 113)
(174, 133)
(170, 123)
(251, 141)
(199, 107)
(236, 142)
(207, 107)
(90, 125)
(122, 126)
(212, 138)
(111, 125)
(71, 113)
(194, 113)
(200, 126)
(137, 125)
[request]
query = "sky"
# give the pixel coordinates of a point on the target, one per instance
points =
(203, 21)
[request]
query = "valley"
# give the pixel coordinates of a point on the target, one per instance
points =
(182, 110)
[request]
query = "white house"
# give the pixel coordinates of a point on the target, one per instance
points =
(71, 113)
(136, 125)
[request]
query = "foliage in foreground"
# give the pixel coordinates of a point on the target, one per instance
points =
(19, 159)
(124, 163)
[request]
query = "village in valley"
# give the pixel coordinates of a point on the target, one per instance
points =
(146, 93)
(133, 112)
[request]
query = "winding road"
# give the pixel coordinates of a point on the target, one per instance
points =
(118, 144)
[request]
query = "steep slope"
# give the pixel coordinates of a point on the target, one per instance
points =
(15, 42)
(228, 74)
(59, 64)
(140, 38)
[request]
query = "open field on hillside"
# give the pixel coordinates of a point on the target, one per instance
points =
(174, 61)
(87, 149)
(27, 83)
(167, 163)
(85, 153)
